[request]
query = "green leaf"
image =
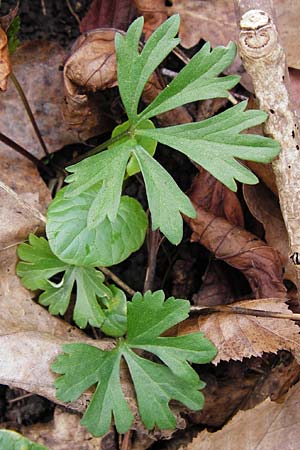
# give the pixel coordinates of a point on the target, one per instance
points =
(84, 365)
(106, 171)
(148, 144)
(198, 80)
(134, 69)
(10, 440)
(166, 200)
(155, 384)
(90, 289)
(215, 143)
(115, 322)
(12, 32)
(38, 263)
(106, 244)
(149, 316)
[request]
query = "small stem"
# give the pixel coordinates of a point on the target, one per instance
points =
(22, 151)
(243, 311)
(126, 445)
(117, 280)
(181, 55)
(29, 112)
(76, 17)
(154, 240)
(99, 148)
(21, 397)
(33, 211)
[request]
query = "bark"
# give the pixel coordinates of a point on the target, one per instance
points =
(264, 60)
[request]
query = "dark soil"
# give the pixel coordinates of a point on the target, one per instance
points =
(51, 20)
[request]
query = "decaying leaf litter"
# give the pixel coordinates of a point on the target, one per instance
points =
(219, 227)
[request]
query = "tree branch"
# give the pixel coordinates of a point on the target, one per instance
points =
(264, 59)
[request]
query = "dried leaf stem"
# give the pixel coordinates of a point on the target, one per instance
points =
(117, 280)
(229, 309)
(26, 206)
(264, 60)
(22, 151)
(29, 112)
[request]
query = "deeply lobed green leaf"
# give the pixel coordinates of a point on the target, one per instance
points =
(134, 68)
(215, 143)
(38, 263)
(198, 80)
(95, 303)
(155, 384)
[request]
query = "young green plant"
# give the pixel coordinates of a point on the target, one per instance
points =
(90, 224)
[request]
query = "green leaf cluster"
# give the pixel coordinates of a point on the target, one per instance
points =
(155, 384)
(10, 440)
(95, 303)
(216, 144)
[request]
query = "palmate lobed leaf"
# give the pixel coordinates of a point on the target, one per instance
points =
(198, 80)
(134, 68)
(95, 303)
(215, 143)
(10, 440)
(155, 384)
(38, 263)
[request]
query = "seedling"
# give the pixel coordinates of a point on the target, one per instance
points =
(91, 224)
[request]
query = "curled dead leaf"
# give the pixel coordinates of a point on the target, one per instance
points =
(238, 336)
(213, 196)
(260, 263)
(90, 68)
(5, 65)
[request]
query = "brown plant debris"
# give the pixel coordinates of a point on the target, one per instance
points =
(242, 336)
(260, 263)
(268, 426)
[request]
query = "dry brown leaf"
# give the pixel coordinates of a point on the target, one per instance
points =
(242, 336)
(6, 20)
(268, 426)
(264, 206)
(108, 13)
(154, 12)
(92, 68)
(210, 194)
(260, 263)
(64, 432)
(37, 65)
(5, 65)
